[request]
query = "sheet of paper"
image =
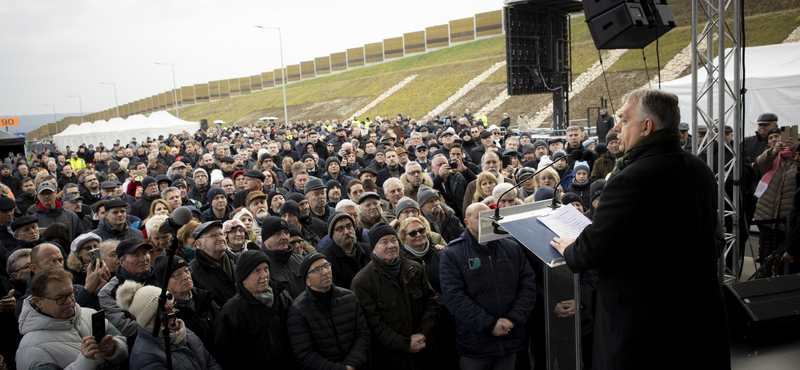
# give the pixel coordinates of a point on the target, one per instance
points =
(567, 222)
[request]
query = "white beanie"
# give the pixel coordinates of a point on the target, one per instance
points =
(141, 301)
(216, 175)
(543, 162)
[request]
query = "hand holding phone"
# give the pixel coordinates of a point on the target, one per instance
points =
(99, 325)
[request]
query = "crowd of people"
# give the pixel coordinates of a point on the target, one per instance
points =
(313, 245)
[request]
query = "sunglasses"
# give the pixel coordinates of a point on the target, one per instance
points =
(414, 233)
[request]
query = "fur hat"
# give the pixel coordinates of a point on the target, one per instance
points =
(140, 300)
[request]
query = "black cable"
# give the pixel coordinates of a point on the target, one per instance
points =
(606, 80)
(644, 59)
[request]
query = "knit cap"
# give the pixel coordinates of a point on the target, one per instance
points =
(425, 193)
(247, 262)
(140, 300)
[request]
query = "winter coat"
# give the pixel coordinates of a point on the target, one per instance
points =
(483, 284)
(776, 202)
(328, 337)
(14, 183)
(213, 279)
(582, 191)
(250, 335)
(453, 190)
(148, 353)
(384, 174)
(637, 318)
(50, 342)
(396, 311)
(48, 217)
(344, 267)
(410, 191)
(283, 269)
(450, 226)
(141, 208)
(200, 316)
(121, 319)
(106, 232)
(603, 166)
(197, 195)
(430, 262)
(604, 124)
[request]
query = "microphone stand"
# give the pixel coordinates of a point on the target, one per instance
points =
(497, 217)
(161, 312)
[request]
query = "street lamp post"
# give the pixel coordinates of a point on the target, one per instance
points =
(80, 104)
(55, 120)
(283, 72)
(174, 87)
(115, 94)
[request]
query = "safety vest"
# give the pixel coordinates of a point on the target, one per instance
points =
(77, 164)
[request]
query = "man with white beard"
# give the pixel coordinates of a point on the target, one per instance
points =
(257, 204)
(346, 256)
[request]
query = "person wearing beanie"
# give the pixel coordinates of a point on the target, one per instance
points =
(275, 200)
(148, 351)
(201, 185)
(141, 208)
(406, 207)
(345, 253)
(290, 212)
(254, 181)
(217, 208)
(53, 335)
(412, 324)
(333, 190)
(322, 311)
(574, 200)
(333, 171)
(441, 217)
(275, 236)
(249, 331)
(134, 265)
(605, 162)
(313, 224)
(581, 182)
(213, 264)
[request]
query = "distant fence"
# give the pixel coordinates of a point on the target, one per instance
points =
(460, 30)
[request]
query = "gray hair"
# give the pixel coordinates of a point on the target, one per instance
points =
(102, 246)
(391, 181)
(344, 203)
(411, 164)
(660, 106)
(489, 153)
(168, 190)
(11, 264)
(502, 188)
(152, 155)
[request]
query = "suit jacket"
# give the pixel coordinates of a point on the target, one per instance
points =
(662, 205)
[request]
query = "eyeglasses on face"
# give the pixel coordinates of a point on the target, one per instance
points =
(61, 300)
(186, 271)
(213, 236)
(318, 270)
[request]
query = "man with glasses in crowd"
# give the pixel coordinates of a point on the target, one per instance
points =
(212, 268)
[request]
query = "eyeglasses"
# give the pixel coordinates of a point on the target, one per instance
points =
(343, 228)
(414, 233)
(415, 173)
(61, 300)
(21, 268)
(213, 236)
(237, 231)
(318, 270)
(180, 273)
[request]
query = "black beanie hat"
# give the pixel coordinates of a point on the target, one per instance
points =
(336, 217)
(160, 266)
(247, 262)
(307, 261)
(272, 225)
(568, 198)
(596, 189)
(290, 206)
(378, 231)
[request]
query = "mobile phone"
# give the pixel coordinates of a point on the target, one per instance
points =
(788, 132)
(99, 325)
(453, 165)
(94, 255)
(141, 173)
(506, 161)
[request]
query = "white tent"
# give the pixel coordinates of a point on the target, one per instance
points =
(138, 126)
(772, 82)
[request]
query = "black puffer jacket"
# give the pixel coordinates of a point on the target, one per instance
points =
(141, 208)
(328, 336)
(250, 335)
(344, 267)
(199, 317)
(211, 278)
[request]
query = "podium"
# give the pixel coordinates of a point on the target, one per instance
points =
(561, 286)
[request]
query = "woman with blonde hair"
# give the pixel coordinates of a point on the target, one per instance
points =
(184, 235)
(484, 186)
(548, 177)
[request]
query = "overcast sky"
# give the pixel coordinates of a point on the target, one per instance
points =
(52, 49)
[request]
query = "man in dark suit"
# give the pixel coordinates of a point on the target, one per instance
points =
(640, 309)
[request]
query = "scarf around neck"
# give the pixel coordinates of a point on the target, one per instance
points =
(657, 137)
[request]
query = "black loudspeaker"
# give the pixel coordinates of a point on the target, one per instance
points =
(764, 302)
(204, 124)
(629, 24)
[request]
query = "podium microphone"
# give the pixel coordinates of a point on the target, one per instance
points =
(180, 216)
(497, 216)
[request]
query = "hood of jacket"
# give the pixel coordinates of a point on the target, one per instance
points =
(31, 320)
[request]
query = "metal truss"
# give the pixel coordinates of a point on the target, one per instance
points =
(717, 102)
